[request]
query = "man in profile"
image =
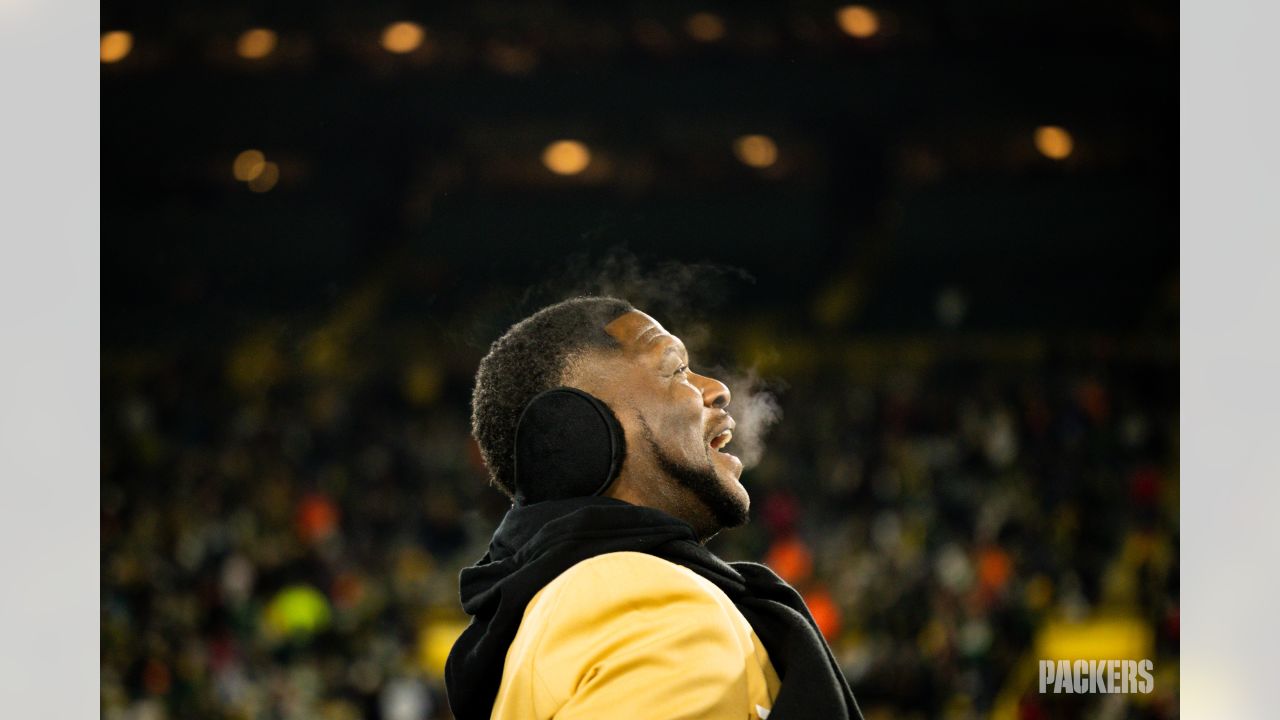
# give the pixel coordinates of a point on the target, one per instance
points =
(597, 598)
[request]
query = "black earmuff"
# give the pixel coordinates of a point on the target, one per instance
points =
(568, 444)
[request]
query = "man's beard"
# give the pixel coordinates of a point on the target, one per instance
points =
(726, 509)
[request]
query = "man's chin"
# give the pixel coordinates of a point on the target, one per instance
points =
(729, 469)
(727, 465)
(714, 484)
(729, 501)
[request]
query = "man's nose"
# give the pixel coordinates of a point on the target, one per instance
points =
(715, 394)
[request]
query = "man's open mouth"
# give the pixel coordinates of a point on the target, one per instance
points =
(719, 441)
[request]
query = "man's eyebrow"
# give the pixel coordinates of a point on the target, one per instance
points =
(676, 347)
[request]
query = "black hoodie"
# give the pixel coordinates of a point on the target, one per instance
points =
(535, 543)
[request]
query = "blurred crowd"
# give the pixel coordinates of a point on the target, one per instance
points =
(278, 543)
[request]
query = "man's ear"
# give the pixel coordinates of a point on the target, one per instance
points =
(569, 444)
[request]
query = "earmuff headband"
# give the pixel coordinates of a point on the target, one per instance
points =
(568, 444)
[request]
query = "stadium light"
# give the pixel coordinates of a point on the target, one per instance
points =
(566, 157)
(402, 37)
(757, 151)
(1054, 142)
(705, 27)
(858, 21)
(266, 179)
(115, 45)
(248, 165)
(256, 43)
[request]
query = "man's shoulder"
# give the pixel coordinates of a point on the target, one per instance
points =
(613, 630)
(628, 600)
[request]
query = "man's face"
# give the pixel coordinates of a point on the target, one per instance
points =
(675, 420)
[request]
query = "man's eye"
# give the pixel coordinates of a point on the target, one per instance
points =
(682, 369)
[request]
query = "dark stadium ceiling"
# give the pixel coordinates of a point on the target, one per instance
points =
(906, 160)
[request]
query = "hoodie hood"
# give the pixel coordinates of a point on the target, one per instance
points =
(529, 534)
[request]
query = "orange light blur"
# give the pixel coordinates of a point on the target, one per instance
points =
(566, 157)
(858, 21)
(402, 37)
(757, 151)
(1054, 142)
(705, 27)
(115, 45)
(256, 43)
(248, 165)
(266, 179)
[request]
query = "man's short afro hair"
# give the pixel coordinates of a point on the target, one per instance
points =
(532, 357)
